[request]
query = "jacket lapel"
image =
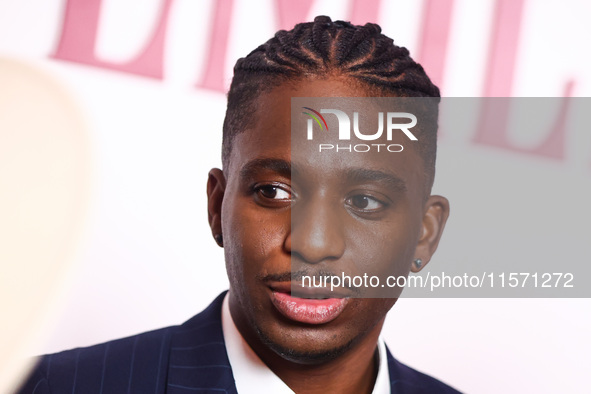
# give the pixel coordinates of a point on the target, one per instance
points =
(198, 360)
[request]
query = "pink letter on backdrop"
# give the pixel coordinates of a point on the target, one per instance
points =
(290, 12)
(499, 78)
(434, 37)
(502, 57)
(213, 77)
(78, 40)
(493, 127)
(363, 11)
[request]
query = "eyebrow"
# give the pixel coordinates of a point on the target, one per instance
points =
(279, 166)
(362, 175)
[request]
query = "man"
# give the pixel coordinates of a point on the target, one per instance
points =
(275, 207)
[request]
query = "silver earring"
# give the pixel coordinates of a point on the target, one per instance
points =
(418, 263)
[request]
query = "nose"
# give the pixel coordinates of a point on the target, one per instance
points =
(317, 233)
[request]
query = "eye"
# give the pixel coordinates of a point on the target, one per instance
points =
(365, 203)
(273, 192)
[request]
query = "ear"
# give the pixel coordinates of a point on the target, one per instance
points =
(216, 187)
(434, 219)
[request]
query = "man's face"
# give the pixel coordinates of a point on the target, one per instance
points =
(350, 208)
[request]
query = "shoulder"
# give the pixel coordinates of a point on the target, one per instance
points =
(110, 365)
(406, 380)
(139, 363)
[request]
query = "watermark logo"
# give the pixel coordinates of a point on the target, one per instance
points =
(390, 122)
(345, 124)
(317, 117)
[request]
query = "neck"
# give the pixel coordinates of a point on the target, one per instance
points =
(353, 372)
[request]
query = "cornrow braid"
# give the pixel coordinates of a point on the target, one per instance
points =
(319, 49)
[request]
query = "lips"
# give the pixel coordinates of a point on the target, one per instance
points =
(309, 311)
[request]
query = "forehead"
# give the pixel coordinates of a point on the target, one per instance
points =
(278, 132)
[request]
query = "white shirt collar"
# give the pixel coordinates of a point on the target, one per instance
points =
(250, 373)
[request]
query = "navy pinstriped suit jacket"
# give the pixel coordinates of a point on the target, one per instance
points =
(185, 359)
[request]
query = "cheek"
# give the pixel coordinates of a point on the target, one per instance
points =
(253, 239)
(385, 248)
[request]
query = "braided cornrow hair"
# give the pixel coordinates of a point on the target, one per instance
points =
(319, 49)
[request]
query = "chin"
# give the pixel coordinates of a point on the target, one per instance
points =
(307, 348)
